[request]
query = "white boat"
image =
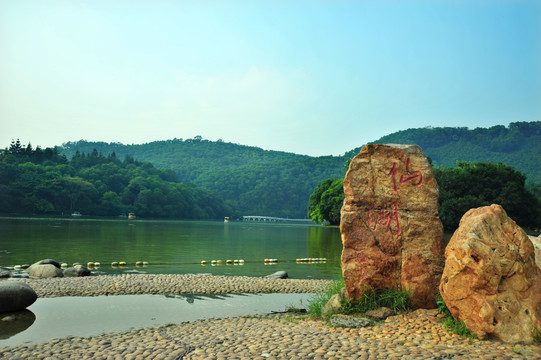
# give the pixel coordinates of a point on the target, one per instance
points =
(76, 214)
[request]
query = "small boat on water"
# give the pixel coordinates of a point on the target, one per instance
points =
(76, 214)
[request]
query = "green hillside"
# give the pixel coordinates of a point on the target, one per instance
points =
(275, 183)
(518, 145)
(255, 181)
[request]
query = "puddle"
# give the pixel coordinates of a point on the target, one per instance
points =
(66, 316)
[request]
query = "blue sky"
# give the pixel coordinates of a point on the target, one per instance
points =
(309, 77)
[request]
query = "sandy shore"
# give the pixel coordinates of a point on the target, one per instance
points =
(416, 335)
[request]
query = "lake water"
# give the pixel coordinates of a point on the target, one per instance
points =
(173, 247)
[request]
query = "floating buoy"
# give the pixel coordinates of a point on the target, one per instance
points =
(63, 265)
(219, 262)
(114, 264)
(145, 263)
(90, 264)
(138, 263)
(97, 264)
(17, 267)
(75, 264)
(203, 262)
(229, 262)
(213, 262)
(121, 263)
(267, 260)
(241, 262)
(236, 261)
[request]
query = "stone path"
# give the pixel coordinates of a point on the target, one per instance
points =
(418, 335)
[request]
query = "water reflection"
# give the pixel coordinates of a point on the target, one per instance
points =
(15, 322)
(190, 298)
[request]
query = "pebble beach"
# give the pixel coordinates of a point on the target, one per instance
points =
(415, 335)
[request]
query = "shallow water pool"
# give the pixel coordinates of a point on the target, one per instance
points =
(59, 317)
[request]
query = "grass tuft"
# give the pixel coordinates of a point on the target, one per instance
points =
(396, 300)
(318, 301)
(450, 322)
(371, 299)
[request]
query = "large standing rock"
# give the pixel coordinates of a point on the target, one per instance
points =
(15, 296)
(490, 280)
(45, 269)
(391, 233)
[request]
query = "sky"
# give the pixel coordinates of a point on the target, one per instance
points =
(309, 77)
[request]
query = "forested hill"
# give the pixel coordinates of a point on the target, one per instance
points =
(518, 145)
(255, 181)
(274, 183)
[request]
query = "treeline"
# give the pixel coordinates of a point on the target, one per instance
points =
(257, 181)
(276, 183)
(36, 181)
(467, 186)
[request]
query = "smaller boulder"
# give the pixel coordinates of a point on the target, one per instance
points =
(77, 270)
(49, 261)
(4, 274)
(15, 296)
(380, 314)
(44, 271)
(340, 320)
(536, 241)
(332, 306)
(278, 275)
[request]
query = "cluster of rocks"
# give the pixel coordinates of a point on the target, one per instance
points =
(49, 268)
(392, 238)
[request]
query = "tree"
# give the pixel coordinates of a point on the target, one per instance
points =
(326, 201)
(472, 185)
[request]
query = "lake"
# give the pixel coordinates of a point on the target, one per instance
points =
(173, 246)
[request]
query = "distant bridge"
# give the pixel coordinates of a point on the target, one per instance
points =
(273, 219)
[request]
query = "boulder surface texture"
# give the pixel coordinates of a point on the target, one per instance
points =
(490, 280)
(392, 236)
(536, 241)
(15, 296)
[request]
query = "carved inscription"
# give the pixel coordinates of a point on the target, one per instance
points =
(386, 215)
(410, 175)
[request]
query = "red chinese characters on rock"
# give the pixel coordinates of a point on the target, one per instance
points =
(410, 175)
(384, 218)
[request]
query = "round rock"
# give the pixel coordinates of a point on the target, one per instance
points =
(44, 271)
(77, 270)
(15, 296)
(5, 274)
